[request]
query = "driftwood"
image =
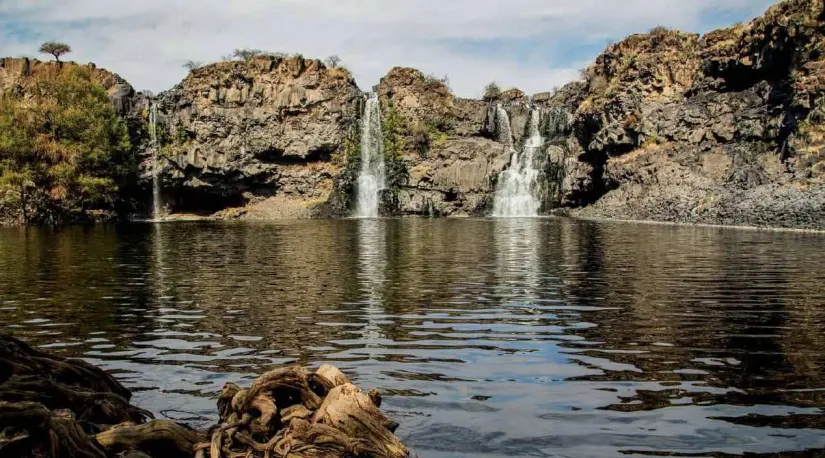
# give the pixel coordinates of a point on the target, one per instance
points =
(291, 412)
(54, 407)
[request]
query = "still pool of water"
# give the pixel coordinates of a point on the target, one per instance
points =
(534, 337)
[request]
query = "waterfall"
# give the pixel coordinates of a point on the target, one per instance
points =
(371, 176)
(518, 188)
(503, 129)
(153, 134)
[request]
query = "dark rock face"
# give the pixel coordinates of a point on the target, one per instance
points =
(724, 129)
(236, 133)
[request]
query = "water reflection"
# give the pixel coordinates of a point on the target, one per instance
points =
(533, 337)
(372, 266)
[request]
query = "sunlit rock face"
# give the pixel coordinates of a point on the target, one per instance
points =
(724, 128)
(238, 133)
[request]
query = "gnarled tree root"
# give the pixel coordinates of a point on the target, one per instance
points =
(55, 408)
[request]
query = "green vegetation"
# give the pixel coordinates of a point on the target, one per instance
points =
(55, 48)
(351, 148)
(393, 131)
(438, 80)
(63, 149)
(491, 92)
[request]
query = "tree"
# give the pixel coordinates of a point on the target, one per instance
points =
(492, 92)
(192, 65)
(246, 54)
(55, 48)
(333, 61)
(63, 149)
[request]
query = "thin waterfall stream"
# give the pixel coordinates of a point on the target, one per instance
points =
(517, 191)
(153, 133)
(371, 178)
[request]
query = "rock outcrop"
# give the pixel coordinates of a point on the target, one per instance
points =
(447, 147)
(16, 72)
(238, 133)
(726, 128)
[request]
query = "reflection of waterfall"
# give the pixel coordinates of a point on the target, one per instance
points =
(159, 267)
(153, 133)
(518, 188)
(371, 176)
(517, 245)
(372, 266)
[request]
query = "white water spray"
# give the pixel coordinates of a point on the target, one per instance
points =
(371, 178)
(518, 188)
(153, 133)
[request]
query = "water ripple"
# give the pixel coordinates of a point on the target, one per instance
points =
(537, 337)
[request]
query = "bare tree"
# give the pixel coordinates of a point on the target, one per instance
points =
(246, 54)
(55, 48)
(192, 65)
(333, 61)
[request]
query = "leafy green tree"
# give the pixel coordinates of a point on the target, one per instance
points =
(63, 149)
(492, 92)
(55, 48)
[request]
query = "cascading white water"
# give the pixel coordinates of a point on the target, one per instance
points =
(504, 131)
(371, 177)
(153, 134)
(518, 187)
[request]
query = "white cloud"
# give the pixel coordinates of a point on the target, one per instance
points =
(147, 41)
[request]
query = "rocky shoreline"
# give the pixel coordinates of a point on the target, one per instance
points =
(725, 129)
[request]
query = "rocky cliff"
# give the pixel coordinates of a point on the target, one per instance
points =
(268, 133)
(17, 72)
(726, 128)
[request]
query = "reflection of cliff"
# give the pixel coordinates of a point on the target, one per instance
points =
(692, 304)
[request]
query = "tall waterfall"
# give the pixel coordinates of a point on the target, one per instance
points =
(153, 133)
(371, 176)
(518, 188)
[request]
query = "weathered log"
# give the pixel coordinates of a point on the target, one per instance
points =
(347, 409)
(17, 358)
(89, 407)
(326, 378)
(286, 387)
(225, 400)
(157, 438)
(34, 431)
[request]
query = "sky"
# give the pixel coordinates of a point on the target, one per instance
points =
(534, 45)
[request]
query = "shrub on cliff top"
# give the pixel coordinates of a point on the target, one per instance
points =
(246, 54)
(492, 92)
(192, 65)
(63, 150)
(55, 48)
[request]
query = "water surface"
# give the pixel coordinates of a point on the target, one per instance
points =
(534, 337)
